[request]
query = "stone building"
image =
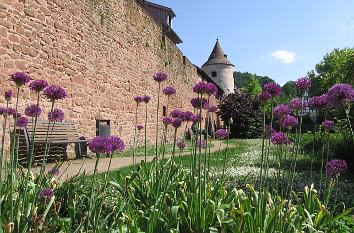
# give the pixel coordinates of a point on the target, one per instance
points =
(104, 53)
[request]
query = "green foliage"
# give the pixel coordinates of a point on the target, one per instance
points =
(252, 86)
(242, 79)
(245, 113)
(289, 91)
(336, 67)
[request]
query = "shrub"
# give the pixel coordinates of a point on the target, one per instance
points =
(245, 113)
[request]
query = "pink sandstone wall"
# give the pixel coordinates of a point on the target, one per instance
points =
(103, 56)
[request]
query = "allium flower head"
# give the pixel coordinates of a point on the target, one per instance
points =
(20, 78)
(167, 120)
(138, 99)
(205, 88)
(176, 122)
(101, 145)
(196, 102)
(211, 89)
(160, 76)
(279, 138)
(117, 144)
(140, 126)
(212, 108)
(8, 95)
(281, 110)
(146, 99)
(2, 111)
(54, 171)
(221, 134)
(303, 84)
(181, 144)
(57, 115)
(335, 167)
(11, 112)
(46, 194)
(264, 96)
(288, 121)
(340, 94)
(33, 110)
(169, 90)
(22, 122)
(328, 125)
(186, 116)
(296, 104)
(38, 85)
(176, 113)
(195, 118)
(55, 92)
(273, 89)
(318, 102)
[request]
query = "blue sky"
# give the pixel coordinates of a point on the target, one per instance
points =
(282, 39)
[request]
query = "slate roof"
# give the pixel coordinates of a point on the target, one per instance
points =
(218, 56)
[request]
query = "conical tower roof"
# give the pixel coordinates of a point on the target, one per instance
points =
(218, 56)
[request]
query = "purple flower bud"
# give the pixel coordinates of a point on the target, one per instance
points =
(57, 115)
(288, 122)
(340, 94)
(46, 194)
(264, 96)
(20, 78)
(186, 116)
(273, 89)
(140, 126)
(281, 110)
(101, 145)
(160, 76)
(146, 99)
(8, 95)
(176, 122)
(55, 92)
(318, 102)
(176, 113)
(303, 84)
(195, 118)
(33, 110)
(296, 104)
(11, 112)
(335, 167)
(212, 108)
(279, 138)
(116, 143)
(196, 102)
(138, 99)
(169, 90)
(205, 88)
(22, 122)
(38, 85)
(167, 120)
(328, 125)
(221, 134)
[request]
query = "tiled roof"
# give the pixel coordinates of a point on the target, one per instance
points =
(218, 56)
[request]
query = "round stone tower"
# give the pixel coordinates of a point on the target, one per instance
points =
(220, 69)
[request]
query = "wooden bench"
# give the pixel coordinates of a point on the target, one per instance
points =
(60, 134)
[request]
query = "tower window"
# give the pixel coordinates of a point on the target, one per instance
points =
(213, 74)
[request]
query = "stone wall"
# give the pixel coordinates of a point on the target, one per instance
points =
(103, 52)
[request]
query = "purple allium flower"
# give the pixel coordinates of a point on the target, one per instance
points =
(281, 110)
(176, 122)
(56, 115)
(8, 95)
(146, 99)
(211, 89)
(318, 102)
(20, 78)
(160, 76)
(273, 89)
(176, 113)
(221, 134)
(195, 118)
(335, 167)
(196, 102)
(212, 108)
(33, 110)
(140, 126)
(167, 120)
(3, 110)
(201, 143)
(279, 138)
(46, 194)
(138, 99)
(11, 112)
(101, 145)
(303, 84)
(38, 85)
(288, 121)
(328, 125)
(296, 104)
(55, 92)
(54, 171)
(169, 90)
(339, 94)
(264, 96)
(205, 88)
(117, 144)
(181, 144)
(186, 116)
(22, 122)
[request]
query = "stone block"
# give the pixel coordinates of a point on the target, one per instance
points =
(29, 12)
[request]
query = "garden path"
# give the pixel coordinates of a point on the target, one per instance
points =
(72, 168)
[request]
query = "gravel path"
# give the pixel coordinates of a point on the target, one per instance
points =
(87, 165)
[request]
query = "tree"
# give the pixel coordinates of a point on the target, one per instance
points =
(336, 67)
(289, 91)
(241, 79)
(252, 86)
